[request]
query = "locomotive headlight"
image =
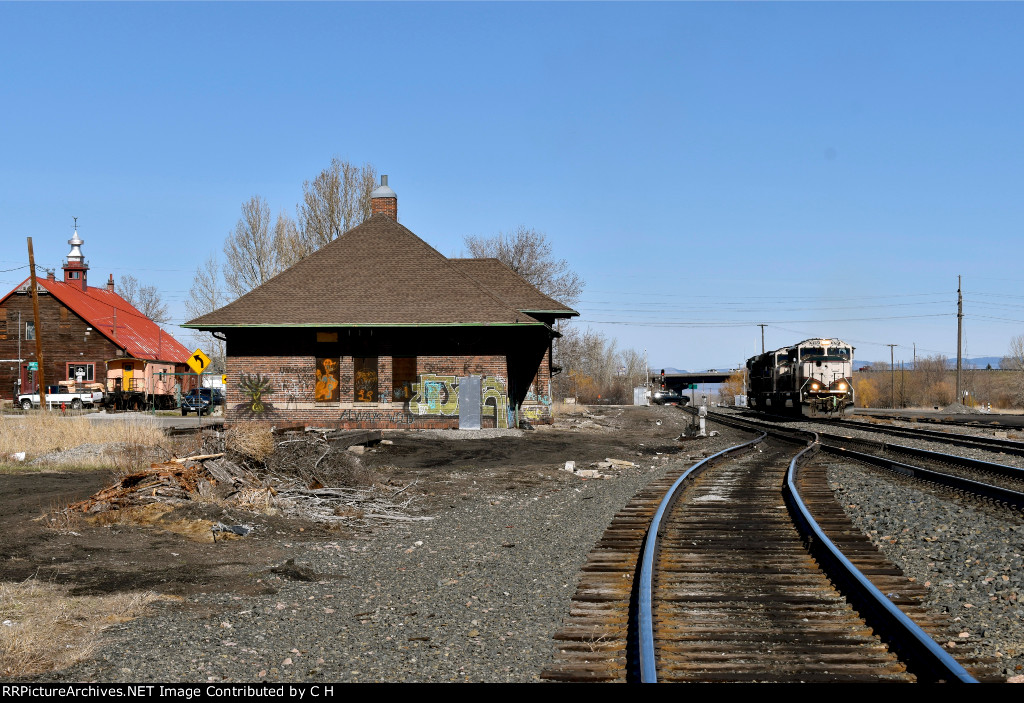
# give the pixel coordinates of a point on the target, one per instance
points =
(814, 386)
(841, 386)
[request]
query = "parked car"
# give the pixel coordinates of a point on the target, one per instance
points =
(668, 397)
(200, 401)
(73, 398)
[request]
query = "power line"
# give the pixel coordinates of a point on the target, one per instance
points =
(745, 323)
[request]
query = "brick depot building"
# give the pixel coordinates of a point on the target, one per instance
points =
(89, 335)
(379, 330)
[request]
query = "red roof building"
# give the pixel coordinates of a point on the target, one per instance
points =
(89, 335)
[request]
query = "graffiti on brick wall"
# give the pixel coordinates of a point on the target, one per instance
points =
(436, 394)
(297, 389)
(378, 416)
(532, 397)
(536, 407)
(535, 413)
(256, 388)
(495, 400)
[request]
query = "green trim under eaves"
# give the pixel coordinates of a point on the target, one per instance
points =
(323, 325)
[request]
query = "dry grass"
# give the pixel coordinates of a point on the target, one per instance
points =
(253, 440)
(42, 628)
(559, 408)
(130, 442)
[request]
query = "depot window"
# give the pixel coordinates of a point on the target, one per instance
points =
(328, 380)
(403, 375)
(364, 374)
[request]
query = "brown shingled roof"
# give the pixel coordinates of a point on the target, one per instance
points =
(376, 274)
(511, 287)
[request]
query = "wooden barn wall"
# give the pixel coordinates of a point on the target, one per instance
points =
(65, 340)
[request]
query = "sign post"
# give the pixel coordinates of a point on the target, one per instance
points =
(197, 362)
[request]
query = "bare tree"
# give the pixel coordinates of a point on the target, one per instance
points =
(145, 299)
(251, 258)
(205, 296)
(594, 370)
(1014, 361)
(287, 242)
(528, 252)
(334, 202)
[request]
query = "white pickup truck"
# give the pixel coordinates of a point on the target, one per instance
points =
(74, 398)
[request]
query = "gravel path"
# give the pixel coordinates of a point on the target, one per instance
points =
(474, 595)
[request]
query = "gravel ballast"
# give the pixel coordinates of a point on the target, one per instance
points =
(476, 593)
(472, 595)
(967, 554)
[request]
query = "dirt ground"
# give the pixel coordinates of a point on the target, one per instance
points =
(121, 556)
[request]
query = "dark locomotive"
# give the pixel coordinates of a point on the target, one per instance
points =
(812, 378)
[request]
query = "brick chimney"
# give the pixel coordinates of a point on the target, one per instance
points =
(50, 275)
(110, 284)
(384, 200)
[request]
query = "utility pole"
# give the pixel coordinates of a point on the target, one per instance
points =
(38, 328)
(892, 377)
(959, 336)
(762, 337)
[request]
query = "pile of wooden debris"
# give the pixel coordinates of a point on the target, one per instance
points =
(174, 482)
(291, 484)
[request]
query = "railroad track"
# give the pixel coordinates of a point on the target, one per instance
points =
(985, 480)
(995, 445)
(981, 420)
(733, 592)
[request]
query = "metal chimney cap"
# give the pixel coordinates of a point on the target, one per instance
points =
(383, 191)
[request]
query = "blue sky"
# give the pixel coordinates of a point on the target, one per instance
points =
(825, 168)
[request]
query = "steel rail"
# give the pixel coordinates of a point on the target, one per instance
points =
(918, 646)
(977, 488)
(977, 464)
(990, 444)
(983, 420)
(648, 663)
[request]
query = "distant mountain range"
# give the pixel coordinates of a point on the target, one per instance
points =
(978, 362)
